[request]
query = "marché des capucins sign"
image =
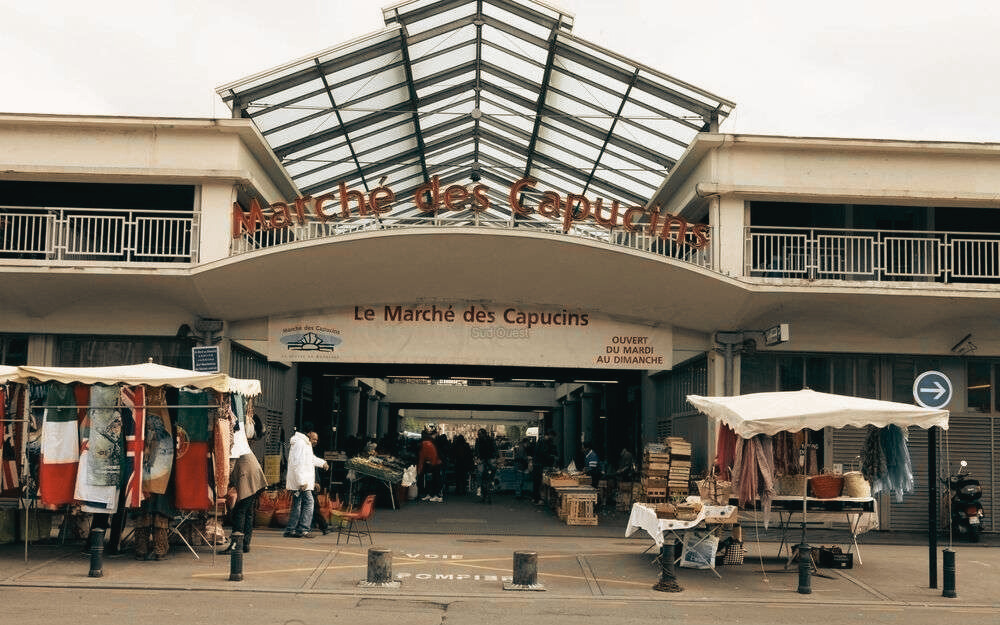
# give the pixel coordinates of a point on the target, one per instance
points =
(431, 198)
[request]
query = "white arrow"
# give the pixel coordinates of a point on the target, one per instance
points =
(938, 390)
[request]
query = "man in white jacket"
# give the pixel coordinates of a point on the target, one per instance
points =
(300, 478)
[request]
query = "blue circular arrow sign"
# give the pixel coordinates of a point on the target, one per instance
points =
(932, 389)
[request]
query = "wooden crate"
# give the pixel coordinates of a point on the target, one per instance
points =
(581, 508)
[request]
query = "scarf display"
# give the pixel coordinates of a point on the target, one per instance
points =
(101, 451)
(60, 446)
(222, 441)
(133, 400)
(886, 463)
(753, 472)
(725, 451)
(193, 457)
(158, 444)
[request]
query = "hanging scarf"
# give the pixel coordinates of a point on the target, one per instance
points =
(133, 399)
(753, 472)
(60, 446)
(101, 451)
(192, 463)
(725, 451)
(158, 444)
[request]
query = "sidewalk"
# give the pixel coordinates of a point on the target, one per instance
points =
(599, 565)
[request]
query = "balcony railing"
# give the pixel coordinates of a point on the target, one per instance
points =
(315, 230)
(107, 235)
(876, 255)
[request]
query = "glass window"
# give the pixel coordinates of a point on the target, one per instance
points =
(818, 374)
(791, 375)
(978, 386)
(13, 350)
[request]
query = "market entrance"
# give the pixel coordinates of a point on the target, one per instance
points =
(382, 411)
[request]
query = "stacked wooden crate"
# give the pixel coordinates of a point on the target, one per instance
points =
(679, 478)
(655, 472)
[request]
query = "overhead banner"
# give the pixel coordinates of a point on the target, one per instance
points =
(469, 334)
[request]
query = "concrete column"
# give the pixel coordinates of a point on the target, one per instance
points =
(371, 415)
(350, 401)
(383, 417)
(557, 426)
(590, 406)
(571, 429)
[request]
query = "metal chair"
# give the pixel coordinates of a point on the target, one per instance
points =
(354, 519)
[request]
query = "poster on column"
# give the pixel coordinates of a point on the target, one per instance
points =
(469, 334)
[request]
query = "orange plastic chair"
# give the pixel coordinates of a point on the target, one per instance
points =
(354, 520)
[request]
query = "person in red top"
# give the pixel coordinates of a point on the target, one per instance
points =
(429, 467)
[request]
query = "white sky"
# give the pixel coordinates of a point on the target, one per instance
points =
(910, 69)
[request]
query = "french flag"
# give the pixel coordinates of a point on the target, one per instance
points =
(61, 443)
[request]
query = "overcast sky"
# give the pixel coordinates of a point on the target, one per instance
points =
(910, 69)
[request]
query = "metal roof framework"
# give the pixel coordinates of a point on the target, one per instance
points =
(475, 89)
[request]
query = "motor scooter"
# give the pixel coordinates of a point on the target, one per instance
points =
(966, 507)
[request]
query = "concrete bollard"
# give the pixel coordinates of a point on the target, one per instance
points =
(96, 552)
(525, 572)
(379, 570)
(668, 580)
(949, 575)
(805, 569)
(236, 557)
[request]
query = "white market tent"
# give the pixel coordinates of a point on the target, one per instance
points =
(7, 373)
(791, 411)
(148, 373)
(770, 413)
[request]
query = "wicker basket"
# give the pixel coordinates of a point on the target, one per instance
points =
(826, 486)
(855, 485)
(790, 485)
(714, 492)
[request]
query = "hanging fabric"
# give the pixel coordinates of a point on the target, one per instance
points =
(158, 448)
(193, 461)
(225, 422)
(101, 451)
(60, 446)
(133, 399)
(725, 451)
(753, 472)
(9, 477)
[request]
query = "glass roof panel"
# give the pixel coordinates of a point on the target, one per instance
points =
(576, 139)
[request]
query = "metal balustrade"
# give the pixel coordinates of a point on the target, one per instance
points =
(315, 230)
(106, 235)
(875, 255)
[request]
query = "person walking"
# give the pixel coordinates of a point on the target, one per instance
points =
(317, 519)
(300, 478)
(486, 454)
(545, 457)
(461, 455)
(246, 476)
(429, 467)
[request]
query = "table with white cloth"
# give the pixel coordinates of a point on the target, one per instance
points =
(861, 514)
(644, 517)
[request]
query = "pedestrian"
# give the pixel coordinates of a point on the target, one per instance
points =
(486, 453)
(429, 469)
(546, 456)
(247, 478)
(300, 478)
(591, 463)
(461, 454)
(522, 463)
(317, 519)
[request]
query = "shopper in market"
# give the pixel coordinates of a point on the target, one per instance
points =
(300, 478)
(246, 476)
(318, 519)
(591, 463)
(486, 454)
(546, 456)
(429, 469)
(462, 460)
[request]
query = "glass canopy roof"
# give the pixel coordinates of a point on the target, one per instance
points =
(490, 90)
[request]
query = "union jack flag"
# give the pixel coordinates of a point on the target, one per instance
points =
(133, 426)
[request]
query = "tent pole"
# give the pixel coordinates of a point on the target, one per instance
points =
(932, 503)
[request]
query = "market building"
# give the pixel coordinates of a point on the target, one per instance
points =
(434, 221)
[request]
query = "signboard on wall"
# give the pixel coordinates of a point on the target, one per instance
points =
(469, 334)
(205, 359)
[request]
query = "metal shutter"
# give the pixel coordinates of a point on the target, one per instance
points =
(969, 438)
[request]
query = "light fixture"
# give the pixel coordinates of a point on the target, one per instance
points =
(595, 381)
(462, 377)
(530, 380)
(408, 377)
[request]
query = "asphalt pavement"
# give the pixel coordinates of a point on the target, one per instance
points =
(464, 549)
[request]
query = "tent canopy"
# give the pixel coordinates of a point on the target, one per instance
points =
(147, 373)
(7, 373)
(791, 411)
